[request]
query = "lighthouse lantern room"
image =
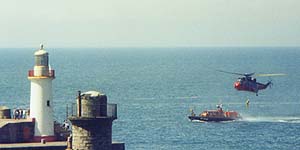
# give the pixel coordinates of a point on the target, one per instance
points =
(41, 105)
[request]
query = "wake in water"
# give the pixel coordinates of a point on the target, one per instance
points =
(271, 119)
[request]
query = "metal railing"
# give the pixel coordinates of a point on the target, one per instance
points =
(50, 74)
(112, 111)
(109, 110)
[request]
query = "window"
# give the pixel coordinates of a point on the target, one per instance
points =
(48, 103)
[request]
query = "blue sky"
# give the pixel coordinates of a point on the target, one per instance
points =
(149, 23)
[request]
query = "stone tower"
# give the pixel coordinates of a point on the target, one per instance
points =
(92, 124)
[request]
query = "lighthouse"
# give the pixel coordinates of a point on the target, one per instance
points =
(41, 104)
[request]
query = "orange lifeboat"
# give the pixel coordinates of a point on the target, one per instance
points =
(216, 115)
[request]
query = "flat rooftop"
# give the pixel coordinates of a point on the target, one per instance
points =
(6, 121)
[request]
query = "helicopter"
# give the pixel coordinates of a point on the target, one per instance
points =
(248, 83)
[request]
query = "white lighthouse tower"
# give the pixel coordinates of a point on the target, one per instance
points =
(41, 105)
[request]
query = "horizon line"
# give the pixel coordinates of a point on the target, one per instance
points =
(146, 47)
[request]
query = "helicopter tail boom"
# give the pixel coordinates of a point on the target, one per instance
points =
(261, 86)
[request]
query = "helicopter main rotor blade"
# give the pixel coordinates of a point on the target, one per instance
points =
(231, 72)
(241, 74)
(271, 74)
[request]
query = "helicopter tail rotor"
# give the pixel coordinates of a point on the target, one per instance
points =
(270, 83)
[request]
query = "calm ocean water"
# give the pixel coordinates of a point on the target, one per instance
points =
(155, 88)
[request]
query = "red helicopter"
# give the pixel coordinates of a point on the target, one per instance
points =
(248, 83)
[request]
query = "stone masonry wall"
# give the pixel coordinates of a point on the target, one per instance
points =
(92, 134)
(5, 113)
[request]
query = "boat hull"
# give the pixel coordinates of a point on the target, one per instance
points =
(213, 119)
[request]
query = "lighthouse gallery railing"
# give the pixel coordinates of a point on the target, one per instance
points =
(51, 73)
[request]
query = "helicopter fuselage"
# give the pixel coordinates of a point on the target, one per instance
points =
(249, 84)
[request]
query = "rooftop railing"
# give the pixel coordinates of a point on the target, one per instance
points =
(109, 110)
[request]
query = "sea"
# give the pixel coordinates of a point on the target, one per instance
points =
(156, 88)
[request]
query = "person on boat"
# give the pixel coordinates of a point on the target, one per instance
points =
(219, 107)
(192, 112)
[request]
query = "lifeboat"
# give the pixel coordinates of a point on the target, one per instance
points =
(215, 115)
